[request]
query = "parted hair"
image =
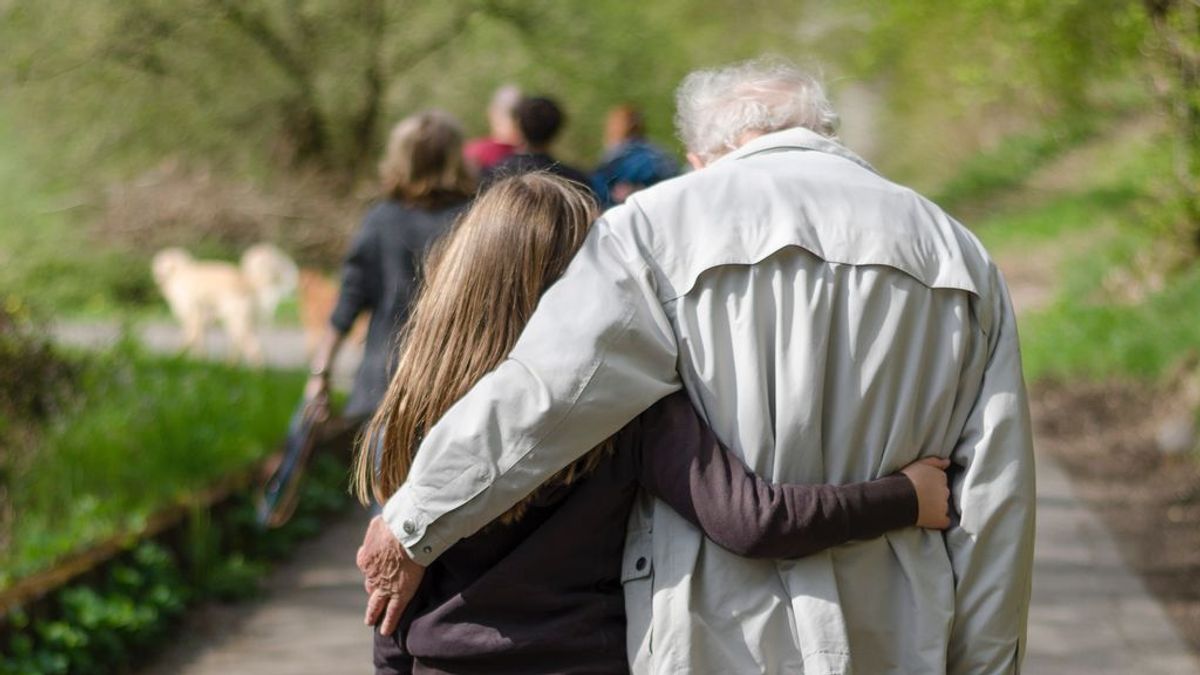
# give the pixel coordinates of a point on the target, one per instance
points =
(482, 283)
(423, 162)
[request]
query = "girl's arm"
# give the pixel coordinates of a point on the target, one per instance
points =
(684, 464)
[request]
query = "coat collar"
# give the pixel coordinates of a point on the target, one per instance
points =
(795, 138)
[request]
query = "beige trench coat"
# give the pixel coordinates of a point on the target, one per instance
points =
(831, 326)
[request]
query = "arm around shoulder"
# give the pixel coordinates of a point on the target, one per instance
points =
(573, 379)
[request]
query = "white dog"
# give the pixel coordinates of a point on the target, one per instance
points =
(200, 291)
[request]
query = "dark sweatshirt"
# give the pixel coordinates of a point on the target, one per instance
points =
(528, 162)
(543, 595)
(379, 276)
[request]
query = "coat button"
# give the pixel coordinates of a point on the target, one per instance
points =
(640, 564)
(409, 527)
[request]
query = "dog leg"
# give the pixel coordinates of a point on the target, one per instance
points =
(193, 333)
(239, 319)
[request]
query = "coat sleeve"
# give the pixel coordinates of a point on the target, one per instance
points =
(684, 464)
(598, 351)
(991, 545)
(360, 277)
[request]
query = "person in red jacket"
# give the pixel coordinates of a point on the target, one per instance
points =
(484, 153)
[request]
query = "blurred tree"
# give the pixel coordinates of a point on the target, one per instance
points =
(1175, 46)
(317, 71)
(312, 82)
(1044, 58)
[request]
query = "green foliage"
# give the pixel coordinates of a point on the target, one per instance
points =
(96, 628)
(1099, 339)
(34, 378)
(47, 256)
(969, 55)
(104, 625)
(281, 101)
(316, 82)
(1012, 161)
(146, 432)
(1089, 235)
(961, 75)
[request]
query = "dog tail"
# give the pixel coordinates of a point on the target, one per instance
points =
(272, 275)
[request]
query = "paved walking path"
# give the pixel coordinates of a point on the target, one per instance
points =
(283, 347)
(309, 622)
(1090, 613)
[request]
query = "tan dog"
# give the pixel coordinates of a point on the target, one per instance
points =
(201, 291)
(317, 297)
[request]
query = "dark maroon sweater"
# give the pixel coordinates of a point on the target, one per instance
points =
(543, 595)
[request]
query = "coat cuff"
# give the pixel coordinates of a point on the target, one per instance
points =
(410, 525)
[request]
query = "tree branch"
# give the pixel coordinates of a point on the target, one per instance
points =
(364, 123)
(457, 25)
(255, 27)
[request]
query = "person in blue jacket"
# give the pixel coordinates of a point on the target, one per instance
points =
(630, 161)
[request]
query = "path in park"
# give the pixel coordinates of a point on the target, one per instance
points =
(1090, 613)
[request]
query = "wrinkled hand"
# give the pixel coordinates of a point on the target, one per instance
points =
(928, 477)
(391, 577)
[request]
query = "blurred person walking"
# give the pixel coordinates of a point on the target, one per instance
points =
(425, 185)
(504, 136)
(540, 120)
(630, 162)
(803, 301)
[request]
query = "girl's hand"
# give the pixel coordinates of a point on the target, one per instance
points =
(928, 477)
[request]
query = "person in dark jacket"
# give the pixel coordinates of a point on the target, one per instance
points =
(540, 589)
(630, 161)
(539, 120)
(426, 185)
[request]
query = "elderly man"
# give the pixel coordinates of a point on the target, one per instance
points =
(803, 301)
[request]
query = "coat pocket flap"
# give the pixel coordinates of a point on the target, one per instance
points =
(637, 562)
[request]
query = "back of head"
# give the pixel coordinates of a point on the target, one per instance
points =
(502, 114)
(540, 120)
(483, 281)
(716, 108)
(423, 163)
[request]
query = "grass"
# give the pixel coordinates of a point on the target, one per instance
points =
(1099, 340)
(1100, 228)
(50, 258)
(46, 254)
(1008, 165)
(143, 432)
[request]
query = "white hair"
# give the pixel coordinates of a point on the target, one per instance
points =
(715, 108)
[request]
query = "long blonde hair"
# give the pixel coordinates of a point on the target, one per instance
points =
(482, 283)
(423, 163)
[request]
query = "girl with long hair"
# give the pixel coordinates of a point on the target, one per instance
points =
(540, 589)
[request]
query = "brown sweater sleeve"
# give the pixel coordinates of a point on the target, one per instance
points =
(683, 463)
